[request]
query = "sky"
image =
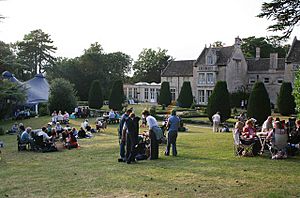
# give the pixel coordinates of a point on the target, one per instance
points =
(183, 27)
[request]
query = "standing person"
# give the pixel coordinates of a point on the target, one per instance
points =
(155, 134)
(121, 140)
(131, 130)
(173, 125)
(216, 122)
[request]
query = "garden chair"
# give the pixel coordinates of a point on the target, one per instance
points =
(279, 143)
(241, 149)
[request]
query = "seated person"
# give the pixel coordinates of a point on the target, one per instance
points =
(295, 135)
(14, 129)
(58, 128)
(100, 124)
(49, 129)
(278, 129)
(249, 136)
(25, 136)
(249, 132)
(75, 132)
(71, 140)
(66, 117)
(111, 116)
(86, 125)
(21, 128)
(54, 117)
(43, 133)
(60, 117)
(267, 125)
(81, 133)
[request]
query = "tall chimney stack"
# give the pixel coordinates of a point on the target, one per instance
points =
(274, 60)
(257, 54)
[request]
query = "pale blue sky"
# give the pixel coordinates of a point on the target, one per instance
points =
(183, 27)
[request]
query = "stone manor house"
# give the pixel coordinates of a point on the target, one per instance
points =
(226, 64)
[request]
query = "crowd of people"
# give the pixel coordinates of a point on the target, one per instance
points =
(249, 134)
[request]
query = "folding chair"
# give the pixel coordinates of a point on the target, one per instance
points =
(279, 143)
(242, 148)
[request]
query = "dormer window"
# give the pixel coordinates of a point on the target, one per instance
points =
(209, 60)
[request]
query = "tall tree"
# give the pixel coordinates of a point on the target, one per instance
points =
(219, 102)
(35, 51)
(185, 98)
(116, 98)
(266, 45)
(285, 100)
(285, 13)
(259, 106)
(165, 96)
(62, 96)
(94, 64)
(95, 95)
(149, 65)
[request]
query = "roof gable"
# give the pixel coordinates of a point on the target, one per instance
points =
(224, 54)
(293, 55)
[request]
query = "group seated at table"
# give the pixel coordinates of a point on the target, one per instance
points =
(112, 117)
(278, 137)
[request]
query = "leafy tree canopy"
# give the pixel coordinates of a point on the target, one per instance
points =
(149, 65)
(94, 64)
(218, 44)
(62, 96)
(35, 52)
(266, 45)
(285, 13)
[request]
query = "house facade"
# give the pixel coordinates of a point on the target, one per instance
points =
(176, 73)
(142, 92)
(229, 64)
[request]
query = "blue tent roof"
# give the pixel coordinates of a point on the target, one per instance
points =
(11, 77)
(37, 88)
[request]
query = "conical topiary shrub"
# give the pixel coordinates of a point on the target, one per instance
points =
(285, 100)
(219, 102)
(185, 98)
(259, 106)
(165, 97)
(95, 95)
(116, 98)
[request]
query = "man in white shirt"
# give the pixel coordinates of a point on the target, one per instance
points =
(216, 122)
(155, 134)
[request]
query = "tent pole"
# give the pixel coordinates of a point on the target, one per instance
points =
(37, 109)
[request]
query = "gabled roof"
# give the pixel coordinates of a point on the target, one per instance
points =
(263, 64)
(182, 68)
(293, 55)
(223, 55)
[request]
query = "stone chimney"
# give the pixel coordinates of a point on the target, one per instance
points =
(257, 53)
(237, 42)
(273, 60)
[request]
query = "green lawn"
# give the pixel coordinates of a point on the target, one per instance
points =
(205, 167)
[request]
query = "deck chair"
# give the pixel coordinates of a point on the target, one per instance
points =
(241, 148)
(278, 145)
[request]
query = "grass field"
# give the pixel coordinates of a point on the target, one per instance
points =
(205, 167)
